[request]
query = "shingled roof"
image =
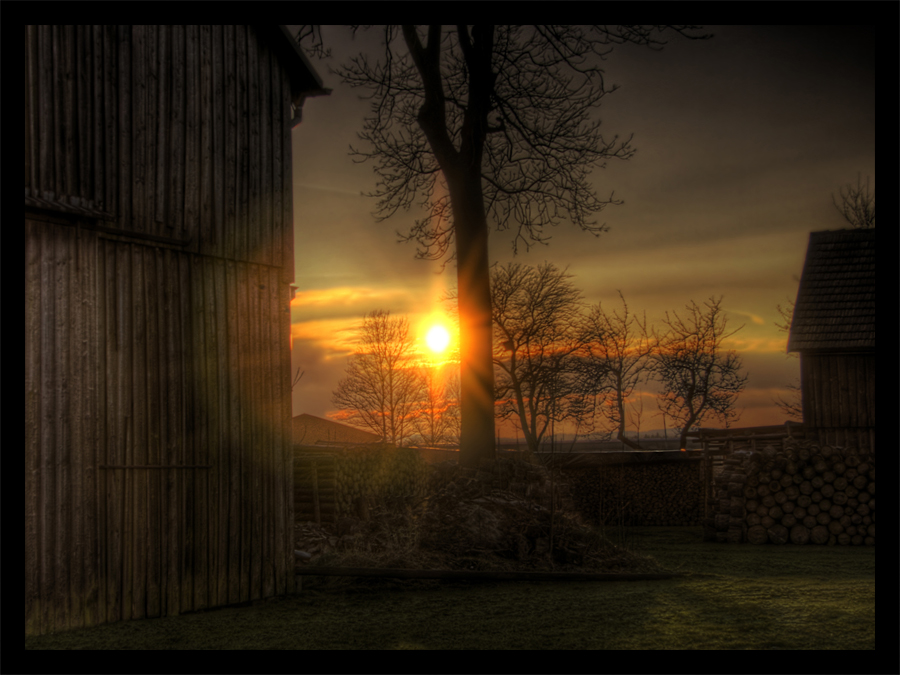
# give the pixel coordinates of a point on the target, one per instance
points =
(835, 308)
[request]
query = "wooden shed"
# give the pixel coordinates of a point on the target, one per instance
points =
(159, 257)
(833, 329)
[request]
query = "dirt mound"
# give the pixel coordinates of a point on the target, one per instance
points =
(496, 517)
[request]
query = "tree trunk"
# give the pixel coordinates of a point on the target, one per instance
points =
(476, 441)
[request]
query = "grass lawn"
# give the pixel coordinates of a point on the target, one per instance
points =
(737, 597)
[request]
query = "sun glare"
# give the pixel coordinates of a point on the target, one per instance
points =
(437, 339)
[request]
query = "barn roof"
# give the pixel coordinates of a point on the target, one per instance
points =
(835, 308)
(305, 81)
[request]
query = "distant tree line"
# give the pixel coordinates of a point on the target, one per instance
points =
(556, 360)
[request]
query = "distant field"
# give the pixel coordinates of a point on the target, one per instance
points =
(739, 597)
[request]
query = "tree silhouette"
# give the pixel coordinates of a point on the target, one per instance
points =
(383, 385)
(480, 124)
(698, 378)
(538, 336)
(857, 205)
(618, 357)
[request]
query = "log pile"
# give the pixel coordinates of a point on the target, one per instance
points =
(665, 493)
(804, 494)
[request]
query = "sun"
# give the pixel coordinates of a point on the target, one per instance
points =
(437, 339)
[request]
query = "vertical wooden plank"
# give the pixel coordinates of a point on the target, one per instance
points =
(176, 140)
(111, 120)
(155, 396)
(57, 86)
(90, 439)
(255, 352)
(230, 98)
(48, 439)
(179, 582)
(164, 70)
(98, 118)
(842, 391)
(62, 316)
(139, 128)
(275, 467)
(284, 337)
(266, 437)
(202, 399)
(30, 111)
(235, 439)
(34, 343)
(287, 187)
(214, 439)
(192, 135)
(151, 129)
(218, 139)
(78, 370)
(126, 402)
(103, 429)
(265, 159)
(277, 144)
(243, 146)
(206, 232)
(47, 152)
(82, 87)
(66, 56)
(125, 128)
(176, 284)
(254, 224)
(115, 288)
(187, 450)
(164, 274)
(245, 366)
(83, 65)
(141, 393)
(224, 446)
(870, 392)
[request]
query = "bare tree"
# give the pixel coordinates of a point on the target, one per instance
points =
(488, 123)
(857, 205)
(618, 358)
(382, 386)
(793, 406)
(436, 416)
(537, 337)
(699, 379)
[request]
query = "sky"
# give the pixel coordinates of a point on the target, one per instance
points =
(741, 142)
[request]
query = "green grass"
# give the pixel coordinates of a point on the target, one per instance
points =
(736, 597)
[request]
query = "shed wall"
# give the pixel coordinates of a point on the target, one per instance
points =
(138, 356)
(178, 133)
(839, 398)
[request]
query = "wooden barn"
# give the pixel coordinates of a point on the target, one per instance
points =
(833, 329)
(159, 257)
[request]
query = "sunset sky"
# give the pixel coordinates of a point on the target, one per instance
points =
(741, 141)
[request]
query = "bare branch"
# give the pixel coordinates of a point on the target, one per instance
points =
(857, 205)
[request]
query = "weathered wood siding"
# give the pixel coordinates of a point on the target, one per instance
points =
(159, 252)
(839, 398)
(179, 133)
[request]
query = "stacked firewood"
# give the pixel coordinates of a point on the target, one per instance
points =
(803, 493)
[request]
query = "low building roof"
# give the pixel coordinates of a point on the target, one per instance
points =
(309, 430)
(835, 307)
